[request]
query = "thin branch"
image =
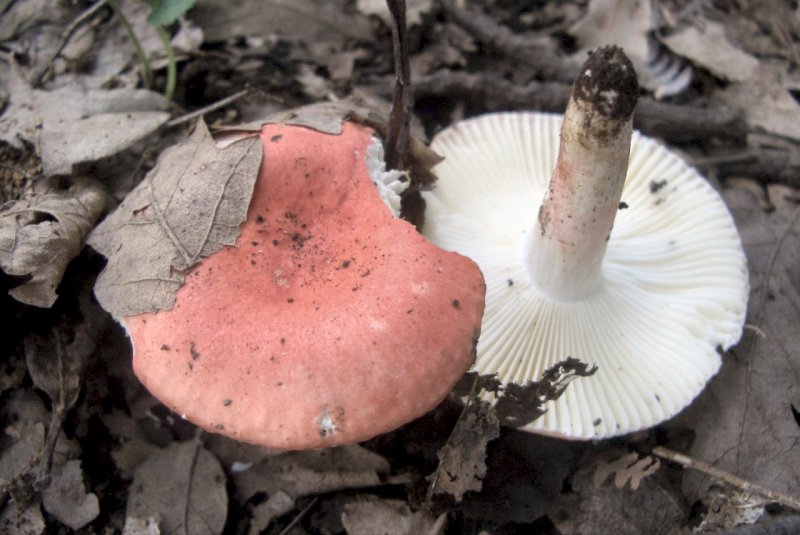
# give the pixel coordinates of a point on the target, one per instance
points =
(671, 121)
(727, 477)
(397, 137)
(299, 515)
(538, 54)
(69, 31)
(214, 106)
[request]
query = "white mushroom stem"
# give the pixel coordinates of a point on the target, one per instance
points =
(577, 214)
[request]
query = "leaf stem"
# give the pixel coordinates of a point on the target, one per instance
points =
(148, 72)
(169, 90)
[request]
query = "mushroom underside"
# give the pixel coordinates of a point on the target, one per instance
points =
(674, 276)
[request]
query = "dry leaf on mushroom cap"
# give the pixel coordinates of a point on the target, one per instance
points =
(339, 293)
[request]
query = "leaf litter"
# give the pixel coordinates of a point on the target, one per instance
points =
(41, 233)
(322, 50)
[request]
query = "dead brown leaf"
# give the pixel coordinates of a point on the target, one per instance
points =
(74, 124)
(289, 476)
(188, 207)
(42, 232)
(28, 521)
(744, 420)
(303, 20)
(462, 460)
(66, 497)
(371, 515)
(768, 106)
(655, 508)
(707, 46)
(183, 488)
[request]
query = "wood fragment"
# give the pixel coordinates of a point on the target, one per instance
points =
(727, 477)
(674, 122)
(539, 54)
(398, 135)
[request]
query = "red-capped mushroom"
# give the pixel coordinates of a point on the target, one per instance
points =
(330, 321)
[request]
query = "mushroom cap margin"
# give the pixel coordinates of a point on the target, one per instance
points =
(329, 322)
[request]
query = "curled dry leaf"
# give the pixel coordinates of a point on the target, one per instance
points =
(462, 460)
(188, 207)
(729, 508)
(518, 405)
(42, 232)
(192, 500)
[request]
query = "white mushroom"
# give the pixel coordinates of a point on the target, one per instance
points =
(649, 302)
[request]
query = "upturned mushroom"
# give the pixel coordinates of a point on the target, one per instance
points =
(632, 261)
(330, 321)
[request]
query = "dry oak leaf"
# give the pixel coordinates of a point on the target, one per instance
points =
(744, 420)
(42, 232)
(188, 207)
(183, 486)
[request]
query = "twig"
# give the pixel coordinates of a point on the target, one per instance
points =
(148, 72)
(214, 106)
(397, 137)
(727, 477)
(172, 72)
(540, 55)
(671, 121)
(299, 515)
(69, 31)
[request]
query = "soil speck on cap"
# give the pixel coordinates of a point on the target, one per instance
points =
(193, 352)
(456, 303)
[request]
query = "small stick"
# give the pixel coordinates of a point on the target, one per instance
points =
(214, 106)
(727, 477)
(538, 54)
(299, 515)
(65, 37)
(397, 137)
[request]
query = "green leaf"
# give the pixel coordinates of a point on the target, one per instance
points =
(166, 12)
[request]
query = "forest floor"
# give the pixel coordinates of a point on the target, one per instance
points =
(85, 111)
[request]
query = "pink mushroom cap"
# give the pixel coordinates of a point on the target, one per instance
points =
(329, 322)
